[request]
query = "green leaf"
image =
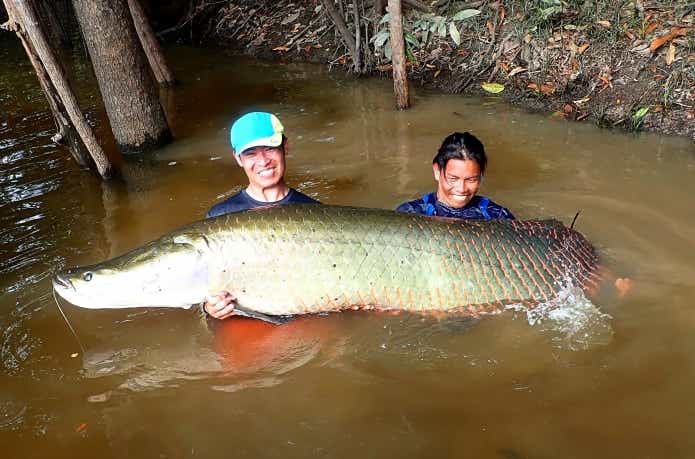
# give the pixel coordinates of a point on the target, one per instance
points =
(409, 54)
(410, 39)
(385, 19)
(381, 38)
(639, 114)
(454, 32)
(441, 30)
(465, 14)
(493, 88)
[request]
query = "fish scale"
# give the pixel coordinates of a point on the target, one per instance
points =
(299, 259)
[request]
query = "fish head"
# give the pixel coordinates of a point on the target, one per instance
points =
(169, 272)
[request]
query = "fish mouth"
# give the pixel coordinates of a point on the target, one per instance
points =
(62, 283)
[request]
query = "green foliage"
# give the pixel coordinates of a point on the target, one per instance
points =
(418, 33)
(638, 117)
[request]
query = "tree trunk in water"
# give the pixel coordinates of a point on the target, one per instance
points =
(130, 96)
(149, 42)
(56, 31)
(400, 78)
(70, 120)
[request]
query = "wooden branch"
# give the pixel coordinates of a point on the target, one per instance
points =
(150, 44)
(400, 77)
(24, 12)
(345, 33)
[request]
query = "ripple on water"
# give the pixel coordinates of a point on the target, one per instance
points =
(571, 319)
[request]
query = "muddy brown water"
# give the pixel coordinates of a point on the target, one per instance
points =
(599, 378)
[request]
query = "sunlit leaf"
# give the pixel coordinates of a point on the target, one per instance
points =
(318, 8)
(493, 88)
(454, 32)
(441, 30)
(639, 114)
(465, 14)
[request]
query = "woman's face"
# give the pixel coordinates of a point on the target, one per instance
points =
(458, 182)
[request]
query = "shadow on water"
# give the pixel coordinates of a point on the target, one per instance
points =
(166, 383)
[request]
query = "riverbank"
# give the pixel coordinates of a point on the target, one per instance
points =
(628, 65)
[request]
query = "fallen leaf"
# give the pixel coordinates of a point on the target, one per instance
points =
(690, 115)
(81, 427)
(318, 45)
(568, 108)
(671, 54)
(516, 70)
(493, 88)
(490, 28)
(429, 66)
(290, 18)
(436, 74)
(548, 89)
(658, 108)
(528, 38)
(650, 28)
(629, 35)
(658, 42)
(582, 48)
(74, 354)
(504, 66)
(281, 48)
(604, 23)
(533, 86)
(581, 101)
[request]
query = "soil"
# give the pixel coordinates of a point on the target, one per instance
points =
(619, 64)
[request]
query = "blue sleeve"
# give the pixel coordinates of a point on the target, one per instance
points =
(408, 208)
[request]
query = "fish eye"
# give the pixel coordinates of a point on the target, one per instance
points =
(87, 276)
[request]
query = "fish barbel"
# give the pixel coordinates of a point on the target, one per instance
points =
(299, 259)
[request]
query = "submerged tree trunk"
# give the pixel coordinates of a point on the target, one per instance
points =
(400, 78)
(70, 121)
(150, 44)
(130, 96)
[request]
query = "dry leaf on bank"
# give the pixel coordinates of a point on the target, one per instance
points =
(658, 42)
(604, 23)
(582, 48)
(671, 54)
(516, 70)
(650, 28)
(281, 48)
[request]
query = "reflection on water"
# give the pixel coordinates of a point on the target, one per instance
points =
(158, 383)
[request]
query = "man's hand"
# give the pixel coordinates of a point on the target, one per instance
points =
(220, 306)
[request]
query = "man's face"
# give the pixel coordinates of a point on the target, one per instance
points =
(264, 166)
(458, 182)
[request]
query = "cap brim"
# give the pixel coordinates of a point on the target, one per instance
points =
(273, 141)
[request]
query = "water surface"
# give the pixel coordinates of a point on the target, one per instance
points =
(606, 378)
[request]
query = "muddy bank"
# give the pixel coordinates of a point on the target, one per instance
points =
(628, 65)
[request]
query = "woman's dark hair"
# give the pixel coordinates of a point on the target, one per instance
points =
(461, 146)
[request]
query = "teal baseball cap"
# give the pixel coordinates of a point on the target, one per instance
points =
(256, 129)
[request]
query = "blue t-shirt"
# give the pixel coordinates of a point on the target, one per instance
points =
(480, 207)
(242, 201)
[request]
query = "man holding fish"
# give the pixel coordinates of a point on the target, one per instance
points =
(260, 147)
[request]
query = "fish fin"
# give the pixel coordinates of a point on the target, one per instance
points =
(275, 320)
